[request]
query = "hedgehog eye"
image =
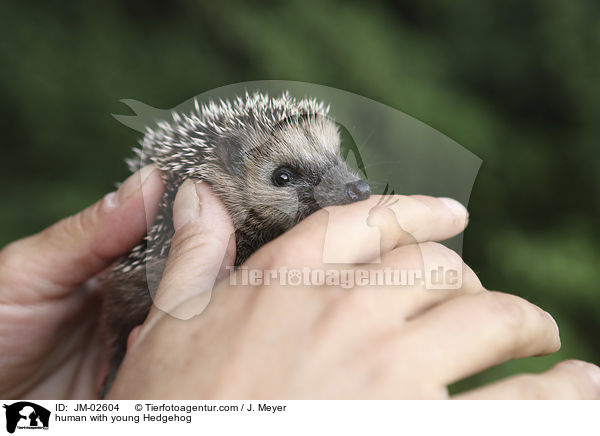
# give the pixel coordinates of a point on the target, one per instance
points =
(282, 177)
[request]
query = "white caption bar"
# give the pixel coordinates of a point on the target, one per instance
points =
(264, 418)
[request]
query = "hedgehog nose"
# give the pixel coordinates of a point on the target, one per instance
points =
(359, 190)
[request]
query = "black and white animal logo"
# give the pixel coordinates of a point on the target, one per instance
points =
(26, 415)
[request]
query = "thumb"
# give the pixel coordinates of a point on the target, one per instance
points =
(63, 256)
(202, 249)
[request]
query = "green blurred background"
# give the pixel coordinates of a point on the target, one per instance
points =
(515, 82)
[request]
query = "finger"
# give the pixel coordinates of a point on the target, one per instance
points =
(202, 251)
(410, 280)
(63, 256)
(568, 380)
(471, 333)
(362, 231)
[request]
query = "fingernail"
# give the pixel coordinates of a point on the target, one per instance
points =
(455, 207)
(187, 204)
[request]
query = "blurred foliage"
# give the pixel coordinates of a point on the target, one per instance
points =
(516, 82)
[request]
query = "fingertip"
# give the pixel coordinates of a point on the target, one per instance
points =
(456, 208)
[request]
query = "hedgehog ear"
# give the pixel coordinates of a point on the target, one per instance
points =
(229, 150)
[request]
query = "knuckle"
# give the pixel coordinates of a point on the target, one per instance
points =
(438, 210)
(355, 300)
(11, 259)
(414, 214)
(187, 240)
(348, 306)
(16, 260)
(509, 309)
(406, 256)
(282, 251)
(74, 226)
(9, 252)
(267, 257)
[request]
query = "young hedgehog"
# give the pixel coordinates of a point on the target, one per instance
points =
(272, 161)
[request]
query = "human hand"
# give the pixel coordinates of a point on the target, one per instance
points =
(49, 343)
(278, 341)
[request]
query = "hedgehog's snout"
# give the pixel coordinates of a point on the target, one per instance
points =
(339, 186)
(357, 191)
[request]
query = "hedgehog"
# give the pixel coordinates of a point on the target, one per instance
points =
(272, 161)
